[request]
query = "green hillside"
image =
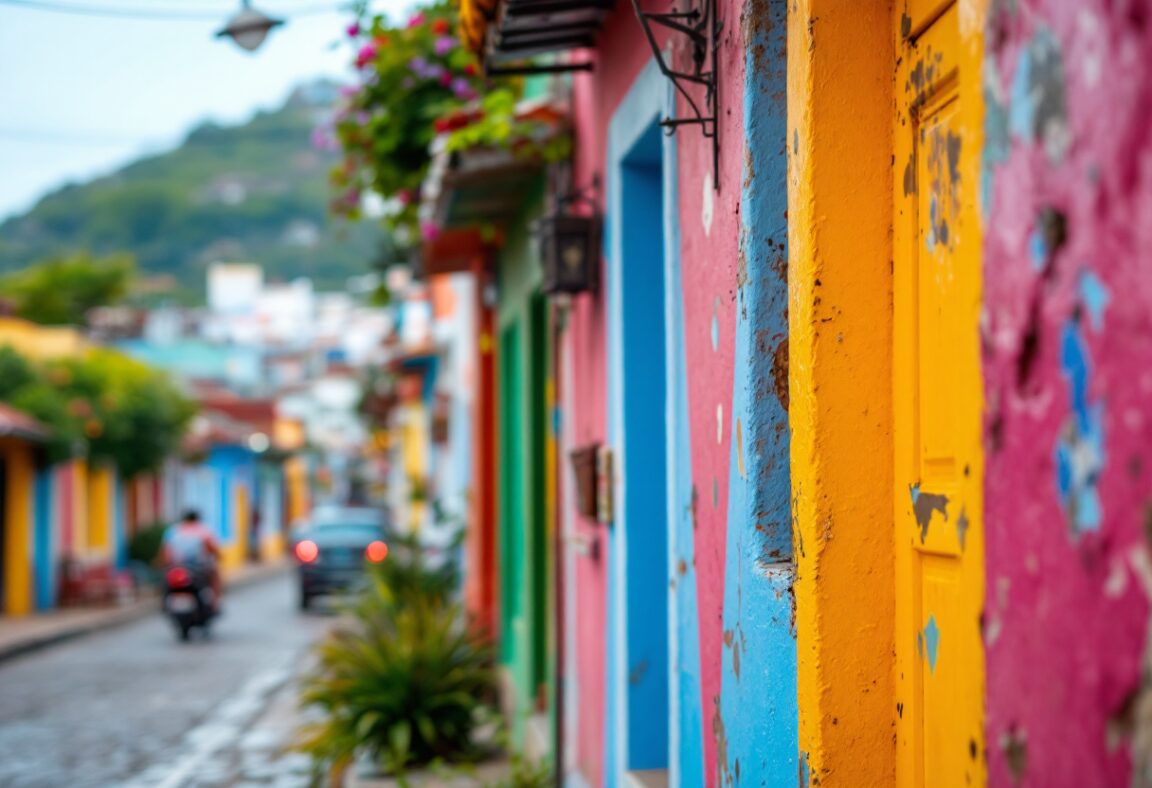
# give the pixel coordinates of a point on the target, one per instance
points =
(257, 192)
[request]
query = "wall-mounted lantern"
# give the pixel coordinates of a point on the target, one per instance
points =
(570, 253)
(570, 247)
(701, 27)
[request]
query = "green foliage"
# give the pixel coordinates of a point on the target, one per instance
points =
(407, 682)
(527, 774)
(62, 290)
(418, 82)
(144, 546)
(137, 416)
(407, 576)
(104, 404)
(228, 192)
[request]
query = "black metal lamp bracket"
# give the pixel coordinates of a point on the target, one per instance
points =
(702, 28)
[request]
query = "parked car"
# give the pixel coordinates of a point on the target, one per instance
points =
(334, 547)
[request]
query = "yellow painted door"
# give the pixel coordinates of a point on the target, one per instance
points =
(938, 395)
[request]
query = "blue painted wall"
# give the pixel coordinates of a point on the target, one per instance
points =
(758, 685)
(644, 524)
(44, 541)
(641, 187)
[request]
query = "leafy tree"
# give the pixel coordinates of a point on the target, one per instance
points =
(62, 290)
(104, 404)
(135, 415)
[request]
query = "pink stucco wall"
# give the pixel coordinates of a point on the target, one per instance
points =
(709, 232)
(1068, 371)
(709, 259)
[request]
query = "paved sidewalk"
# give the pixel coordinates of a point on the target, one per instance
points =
(39, 630)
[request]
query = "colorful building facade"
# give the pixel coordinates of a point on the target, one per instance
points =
(866, 391)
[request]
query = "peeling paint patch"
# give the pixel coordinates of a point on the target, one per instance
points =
(1038, 107)
(1014, 745)
(721, 736)
(943, 163)
(962, 524)
(996, 137)
(931, 642)
(923, 506)
(1095, 297)
(715, 326)
(803, 776)
(1047, 238)
(720, 423)
(1080, 447)
(780, 372)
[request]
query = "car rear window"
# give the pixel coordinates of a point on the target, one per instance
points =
(367, 530)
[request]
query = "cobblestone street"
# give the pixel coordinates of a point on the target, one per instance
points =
(132, 706)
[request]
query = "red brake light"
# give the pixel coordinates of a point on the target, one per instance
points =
(376, 552)
(307, 551)
(177, 577)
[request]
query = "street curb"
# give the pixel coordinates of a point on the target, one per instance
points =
(118, 617)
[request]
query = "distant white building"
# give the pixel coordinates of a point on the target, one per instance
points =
(233, 288)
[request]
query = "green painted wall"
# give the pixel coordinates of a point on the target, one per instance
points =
(527, 585)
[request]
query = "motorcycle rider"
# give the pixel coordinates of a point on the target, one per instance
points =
(190, 543)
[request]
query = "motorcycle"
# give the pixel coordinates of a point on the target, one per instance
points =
(188, 599)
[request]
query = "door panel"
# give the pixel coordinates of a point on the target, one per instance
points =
(937, 397)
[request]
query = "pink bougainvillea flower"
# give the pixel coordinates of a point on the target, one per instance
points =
(446, 78)
(416, 20)
(353, 30)
(366, 55)
(348, 91)
(444, 45)
(404, 196)
(429, 231)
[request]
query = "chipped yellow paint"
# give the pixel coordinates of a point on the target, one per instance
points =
(840, 66)
(937, 396)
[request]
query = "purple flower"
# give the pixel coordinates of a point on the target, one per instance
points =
(348, 91)
(463, 89)
(444, 45)
(353, 30)
(419, 66)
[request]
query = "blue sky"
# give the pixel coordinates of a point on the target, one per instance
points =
(81, 95)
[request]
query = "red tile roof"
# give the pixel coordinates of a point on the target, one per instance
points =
(15, 424)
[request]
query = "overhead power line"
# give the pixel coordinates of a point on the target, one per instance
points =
(155, 14)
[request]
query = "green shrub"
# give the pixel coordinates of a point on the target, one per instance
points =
(406, 682)
(144, 546)
(527, 774)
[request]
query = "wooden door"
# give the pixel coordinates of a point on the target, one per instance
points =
(938, 396)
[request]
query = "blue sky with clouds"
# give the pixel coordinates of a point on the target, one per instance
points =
(81, 95)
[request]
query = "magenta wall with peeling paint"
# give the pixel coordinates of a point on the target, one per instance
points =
(1068, 372)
